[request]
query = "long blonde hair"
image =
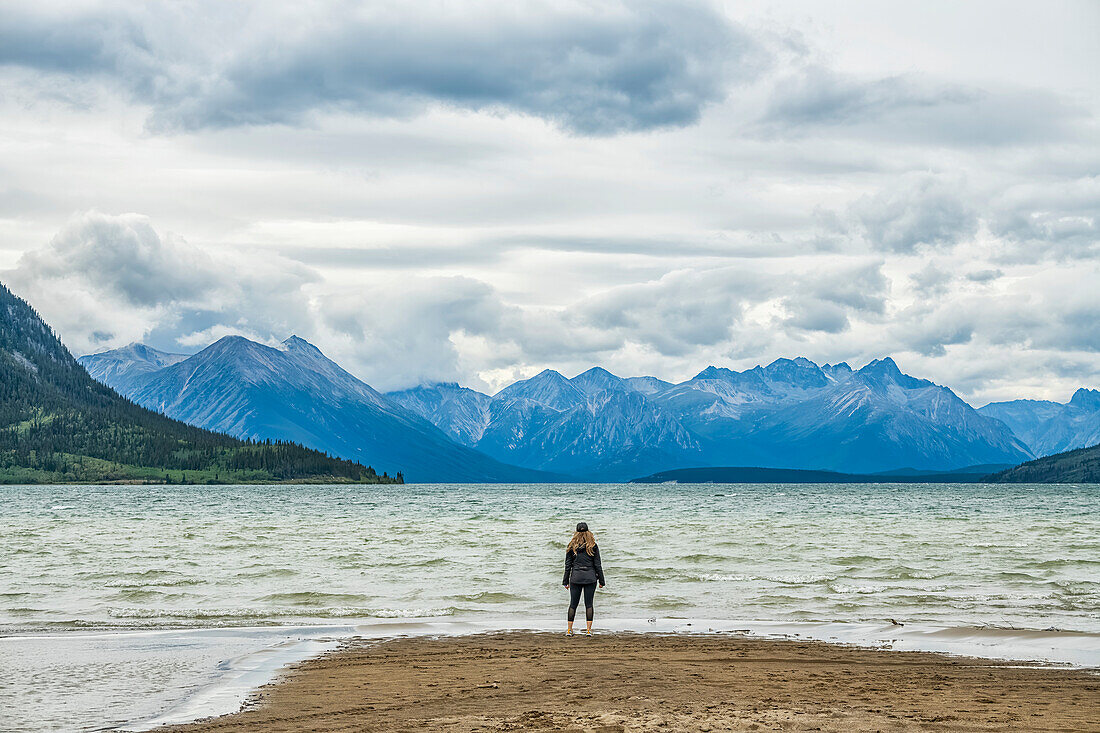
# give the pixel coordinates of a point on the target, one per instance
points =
(584, 539)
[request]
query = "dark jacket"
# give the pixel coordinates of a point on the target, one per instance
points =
(582, 568)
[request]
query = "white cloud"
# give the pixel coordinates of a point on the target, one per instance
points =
(476, 194)
(105, 281)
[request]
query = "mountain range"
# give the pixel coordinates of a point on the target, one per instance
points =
(293, 392)
(791, 414)
(1052, 427)
(58, 425)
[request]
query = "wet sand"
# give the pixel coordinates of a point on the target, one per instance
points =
(647, 682)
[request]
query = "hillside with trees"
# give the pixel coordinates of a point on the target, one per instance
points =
(1081, 466)
(58, 425)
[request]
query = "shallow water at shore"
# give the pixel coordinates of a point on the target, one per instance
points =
(78, 559)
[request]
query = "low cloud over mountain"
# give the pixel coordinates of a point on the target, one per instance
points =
(476, 194)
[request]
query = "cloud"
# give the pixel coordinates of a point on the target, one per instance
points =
(984, 276)
(932, 279)
(677, 313)
(104, 281)
(593, 69)
(1057, 218)
(399, 334)
(929, 331)
(823, 300)
(1036, 309)
(923, 209)
(916, 108)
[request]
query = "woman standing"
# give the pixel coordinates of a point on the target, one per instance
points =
(582, 571)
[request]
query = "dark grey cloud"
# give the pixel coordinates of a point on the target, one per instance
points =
(917, 108)
(74, 41)
(593, 69)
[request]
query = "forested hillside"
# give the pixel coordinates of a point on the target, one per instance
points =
(57, 424)
(1081, 466)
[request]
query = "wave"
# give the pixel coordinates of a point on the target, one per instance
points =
(143, 575)
(725, 578)
(166, 583)
(849, 589)
(491, 597)
(904, 572)
(703, 557)
(269, 573)
(1062, 563)
(666, 603)
(259, 614)
(856, 559)
(798, 579)
(1017, 575)
(144, 594)
(313, 598)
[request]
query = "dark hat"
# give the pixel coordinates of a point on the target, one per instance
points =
(582, 527)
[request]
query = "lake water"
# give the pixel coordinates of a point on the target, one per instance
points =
(117, 602)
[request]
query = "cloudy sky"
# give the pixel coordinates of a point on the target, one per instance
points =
(474, 191)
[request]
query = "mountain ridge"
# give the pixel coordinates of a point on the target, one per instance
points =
(1050, 427)
(790, 413)
(294, 392)
(862, 420)
(59, 425)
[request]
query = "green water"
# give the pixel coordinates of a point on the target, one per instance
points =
(157, 557)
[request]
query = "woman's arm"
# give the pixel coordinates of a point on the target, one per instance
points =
(568, 567)
(598, 564)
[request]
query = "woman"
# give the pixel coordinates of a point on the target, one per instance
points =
(582, 571)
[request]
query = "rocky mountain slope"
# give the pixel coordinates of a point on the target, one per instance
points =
(791, 413)
(1052, 427)
(119, 368)
(293, 392)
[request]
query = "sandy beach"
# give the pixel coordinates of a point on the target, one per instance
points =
(646, 682)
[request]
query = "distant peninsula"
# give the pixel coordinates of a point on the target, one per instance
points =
(1081, 466)
(760, 475)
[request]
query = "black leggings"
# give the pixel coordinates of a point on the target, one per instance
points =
(575, 597)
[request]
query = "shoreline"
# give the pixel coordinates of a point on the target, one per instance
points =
(627, 681)
(241, 677)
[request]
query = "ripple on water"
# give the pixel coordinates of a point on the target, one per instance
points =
(667, 603)
(253, 555)
(270, 614)
(265, 572)
(311, 598)
(701, 557)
